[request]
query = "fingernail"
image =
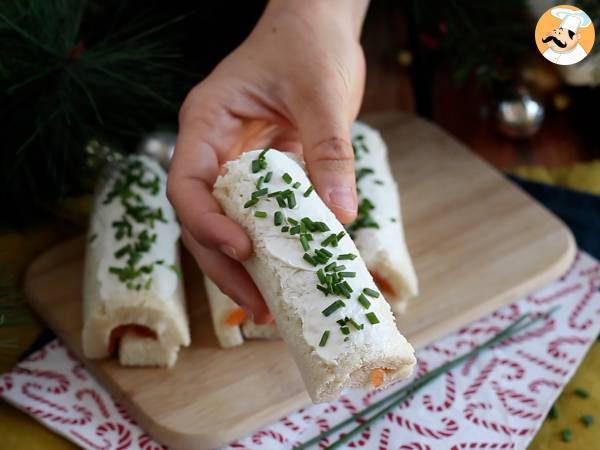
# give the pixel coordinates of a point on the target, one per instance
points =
(229, 251)
(343, 198)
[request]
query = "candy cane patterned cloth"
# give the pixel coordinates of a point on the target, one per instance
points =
(496, 401)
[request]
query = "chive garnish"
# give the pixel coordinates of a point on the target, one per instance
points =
(345, 330)
(371, 292)
(296, 185)
(304, 243)
(321, 226)
(274, 194)
(295, 230)
(330, 267)
(309, 190)
(251, 202)
(256, 166)
(588, 421)
(323, 289)
(348, 274)
(372, 318)
(346, 256)
(309, 259)
(278, 218)
(324, 338)
(333, 307)
(259, 182)
(566, 435)
(343, 290)
(280, 201)
(321, 276)
(291, 198)
(284, 229)
(364, 301)
(354, 324)
(287, 178)
(339, 268)
(292, 221)
(326, 252)
(553, 413)
(582, 392)
(262, 163)
(328, 240)
(260, 193)
(262, 154)
(379, 182)
(268, 177)
(340, 235)
(260, 214)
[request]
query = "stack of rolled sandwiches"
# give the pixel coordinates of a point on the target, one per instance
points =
(326, 297)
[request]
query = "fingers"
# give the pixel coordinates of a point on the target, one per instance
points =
(231, 277)
(193, 171)
(325, 134)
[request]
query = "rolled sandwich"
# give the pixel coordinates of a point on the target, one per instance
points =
(133, 299)
(328, 309)
(377, 231)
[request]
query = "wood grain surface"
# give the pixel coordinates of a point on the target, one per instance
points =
(478, 242)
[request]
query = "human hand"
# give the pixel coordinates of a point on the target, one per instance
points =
(295, 84)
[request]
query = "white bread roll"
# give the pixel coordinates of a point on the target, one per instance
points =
(132, 287)
(378, 231)
(221, 309)
(331, 352)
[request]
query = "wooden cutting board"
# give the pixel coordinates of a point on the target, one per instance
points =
(478, 242)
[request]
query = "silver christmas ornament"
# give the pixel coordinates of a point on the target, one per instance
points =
(519, 115)
(159, 145)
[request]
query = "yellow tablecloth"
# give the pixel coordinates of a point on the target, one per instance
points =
(20, 432)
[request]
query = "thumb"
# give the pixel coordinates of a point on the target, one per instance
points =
(325, 135)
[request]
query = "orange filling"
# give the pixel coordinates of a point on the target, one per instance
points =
(377, 376)
(235, 317)
(117, 333)
(383, 284)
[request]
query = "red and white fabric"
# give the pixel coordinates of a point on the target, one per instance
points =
(496, 401)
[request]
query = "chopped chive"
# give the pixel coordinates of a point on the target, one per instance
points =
(287, 178)
(268, 177)
(341, 322)
(304, 243)
(393, 219)
(339, 268)
(340, 235)
(278, 218)
(372, 318)
(259, 182)
(251, 202)
(333, 307)
(566, 435)
(553, 413)
(309, 259)
(263, 153)
(347, 286)
(345, 330)
(346, 256)
(326, 252)
(292, 221)
(303, 228)
(322, 259)
(379, 182)
(348, 274)
(296, 185)
(321, 276)
(285, 229)
(262, 163)
(364, 301)
(274, 194)
(343, 290)
(260, 193)
(123, 251)
(260, 214)
(295, 230)
(582, 392)
(309, 236)
(371, 293)
(280, 201)
(324, 338)
(588, 421)
(291, 198)
(309, 190)
(354, 324)
(256, 166)
(321, 226)
(330, 267)
(323, 289)
(328, 240)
